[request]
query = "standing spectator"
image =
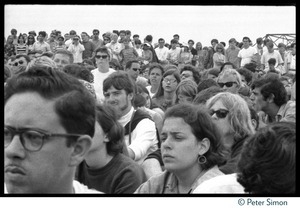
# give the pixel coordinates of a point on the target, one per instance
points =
(9, 47)
(14, 32)
(246, 53)
(271, 53)
(193, 51)
(186, 129)
(89, 47)
(76, 49)
(40, 46)
(138, 48)
(282, 50)
(176, 37)
(147, 55)
(21, 47)
(148, 39)
(52, 42)
(54, 127)
(105, 168)
(60, 43)
(115, 47)
(127, 53)
(140, 131)
(208, 62)
(291, 61)
(69, 41)
(201, 55)
(185, 56)
(270, 97)
(231, 53)
(165, 95)
(162, 52)
(173, 53)
(219, 57)
(102, 57)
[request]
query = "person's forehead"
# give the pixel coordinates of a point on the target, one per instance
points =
(113, 89)
(62, 57)
(218, 105)
(101, 53)
(187, 72)
(170, 77)
(227, 78)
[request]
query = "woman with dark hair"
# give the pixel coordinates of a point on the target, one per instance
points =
(165, 95)
(191, 150)
(30, 42)
(155, 73)
(105, 168)
(267, 164)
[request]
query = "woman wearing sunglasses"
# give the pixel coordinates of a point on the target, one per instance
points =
(192, 151)
(230, 80)
(230, 112)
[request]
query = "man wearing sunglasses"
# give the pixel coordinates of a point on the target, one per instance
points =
(20, 63)
(49, 121)
(102, 59)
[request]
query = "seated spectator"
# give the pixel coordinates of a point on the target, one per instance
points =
(55, 124)
(269, 96)
(206, 84)
(230, 80)
(155, 74)
(105, 168)
(183, 173)
(206, 94)
(231, 114)
(185, 91)
(213, 73)
(189, 72)
(62, 58)
(165, 95)
(267, 164)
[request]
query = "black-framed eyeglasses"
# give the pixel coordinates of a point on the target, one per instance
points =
(221, 113)
(227, 84)
(17, 63)
(136, 69)
(31, 139)
(101, 56)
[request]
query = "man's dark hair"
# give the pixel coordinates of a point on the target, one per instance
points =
(149, 38)
(191, 41)
(74, 105)
(267, 164)
(246, 73)
(175, 35)
(206, 83)
(214, 40)
(272, 61)
(271, 85)
(135, 35)
(119, 80)
(191, 68)
(129, 63)
(42, 33)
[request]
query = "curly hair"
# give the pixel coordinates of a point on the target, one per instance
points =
(202, 127)
(268, 160)
(191, 68)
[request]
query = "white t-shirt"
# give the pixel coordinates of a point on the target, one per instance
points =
(162, 53)
(149, 90)
(246, 55)
(267, 55)
(99, 77)
(221, 184)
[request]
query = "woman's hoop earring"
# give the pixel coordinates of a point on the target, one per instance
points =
(201, 159)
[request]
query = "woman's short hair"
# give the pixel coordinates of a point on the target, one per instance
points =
(202, 127)
(156, 65)
(233, 72)
(267, 163)
(186, 87)
(114, 131)
(239, 113)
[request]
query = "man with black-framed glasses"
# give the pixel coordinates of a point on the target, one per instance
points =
(48, 125)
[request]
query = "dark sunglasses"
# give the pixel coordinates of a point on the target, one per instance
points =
(219, 113)
(101, 56)
(135, 69)
(227, 84)
(17, 63)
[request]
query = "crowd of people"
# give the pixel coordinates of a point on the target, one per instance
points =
(117, 115)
